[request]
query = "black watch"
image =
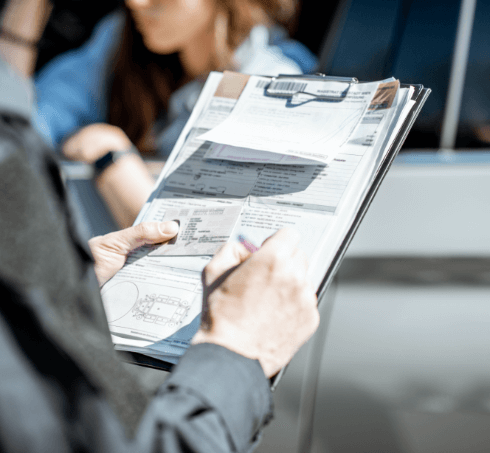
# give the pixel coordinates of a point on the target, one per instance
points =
(108, 159)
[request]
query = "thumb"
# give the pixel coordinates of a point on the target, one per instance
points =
(147, 233)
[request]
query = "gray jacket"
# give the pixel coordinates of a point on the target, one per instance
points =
(61, 386)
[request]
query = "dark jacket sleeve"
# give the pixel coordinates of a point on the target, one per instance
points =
(214, 401)
(61, 387)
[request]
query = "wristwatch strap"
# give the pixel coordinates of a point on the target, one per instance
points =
(111, 157)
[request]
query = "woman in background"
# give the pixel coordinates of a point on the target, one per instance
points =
(135, 82)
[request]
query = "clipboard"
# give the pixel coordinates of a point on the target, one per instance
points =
(419, 97)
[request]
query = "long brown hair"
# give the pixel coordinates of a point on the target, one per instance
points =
(143, 81)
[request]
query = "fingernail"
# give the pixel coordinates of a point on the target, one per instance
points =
(169, 227)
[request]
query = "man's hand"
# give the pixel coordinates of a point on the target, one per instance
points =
(92, 142)
(262, 305)
(110, 251)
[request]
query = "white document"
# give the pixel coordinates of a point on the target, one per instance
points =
(235, 154)
(147, 302)
(153, 304)
(305, 129)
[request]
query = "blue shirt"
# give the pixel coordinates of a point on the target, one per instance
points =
(73, 89)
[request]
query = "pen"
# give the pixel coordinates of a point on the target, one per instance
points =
(247, 244)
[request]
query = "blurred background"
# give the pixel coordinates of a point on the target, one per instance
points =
(401, 363)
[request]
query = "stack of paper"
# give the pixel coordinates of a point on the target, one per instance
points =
(248, 163)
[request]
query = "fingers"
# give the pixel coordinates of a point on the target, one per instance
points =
(281, 251)
(281, 244)
(147, 233)
(299, 262)
(229, 256)
(110, 251)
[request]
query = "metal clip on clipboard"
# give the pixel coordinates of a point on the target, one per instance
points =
(281, 87)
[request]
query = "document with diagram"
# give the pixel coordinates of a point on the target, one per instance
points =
(257, 154)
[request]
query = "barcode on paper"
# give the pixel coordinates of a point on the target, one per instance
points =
(287, 87)
(262, 83)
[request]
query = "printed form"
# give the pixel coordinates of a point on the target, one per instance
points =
(153, 304)
(301, 126)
